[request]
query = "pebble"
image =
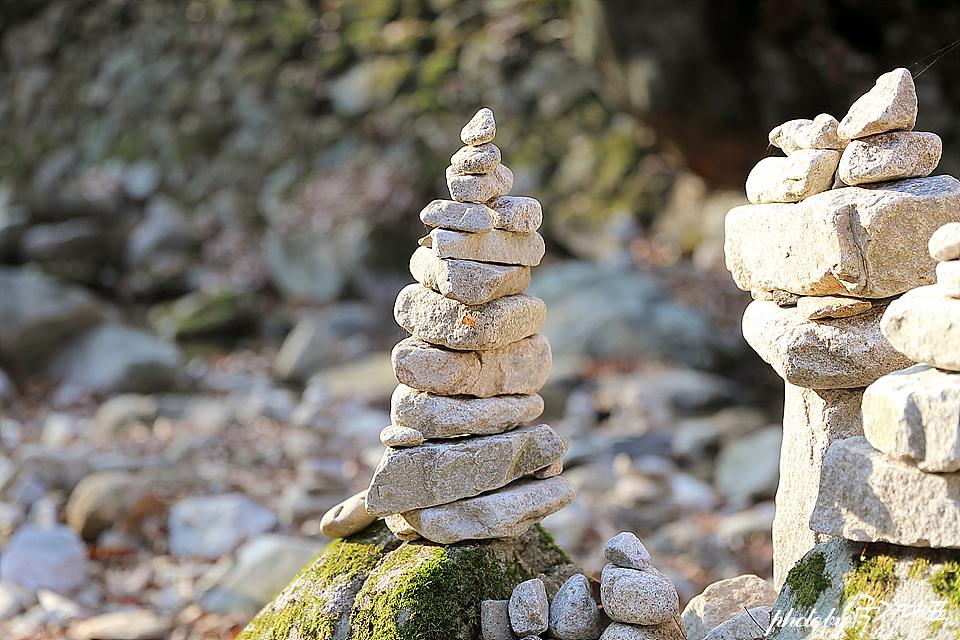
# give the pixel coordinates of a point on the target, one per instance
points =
(626, 550)
(638, 597)
(573, 613)
(211, 526)
(479, 188)
(891, 105)
(529, 609)
(816, 307)
(895, 155)
(347, 518)
(479, 159)
(944, 244)
(460, 216)
(394, 436)
(45, 558)
(495, 620)
(481, 128)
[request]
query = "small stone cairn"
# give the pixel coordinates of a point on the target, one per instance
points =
(837, 229)
(471, 368)
(900, 482)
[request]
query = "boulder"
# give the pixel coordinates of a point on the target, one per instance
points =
(723, 600)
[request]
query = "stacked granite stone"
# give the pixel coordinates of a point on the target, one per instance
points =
(459, 463)
(838, 227)
(901, 482)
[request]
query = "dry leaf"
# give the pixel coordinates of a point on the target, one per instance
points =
(467, 320)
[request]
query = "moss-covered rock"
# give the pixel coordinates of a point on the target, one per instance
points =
(372, 586)
(857, 591)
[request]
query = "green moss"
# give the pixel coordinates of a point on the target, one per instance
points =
(548, 544)
(873, 577)
(946, 583)
(917, 568)
(807, 581)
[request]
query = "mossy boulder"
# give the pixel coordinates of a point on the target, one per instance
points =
(372, 586)
(858, 591)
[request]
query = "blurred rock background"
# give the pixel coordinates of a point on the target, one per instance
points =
(206, 210)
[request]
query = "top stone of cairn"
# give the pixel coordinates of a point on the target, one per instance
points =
(480, 130)
(891, 105)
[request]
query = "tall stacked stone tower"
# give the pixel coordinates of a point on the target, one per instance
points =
(459, 463)
(837, 229)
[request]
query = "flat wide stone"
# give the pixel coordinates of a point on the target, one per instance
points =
(867, 496)
(462, 216)
(466, 281)
(439, 320)
(445, 417)
(891, 105)
(819, 307)
(644, 597)
(521, 367)
(505, 513)
(811, 421)
(465, 187)
(948, 277)
(517, 213)
(944, 244)
(504, 247)
(924, 324)
(476, 160)
(914, 415)
(800, 175)
(839, 353)
(438, 473)
(868, 242)
(890, 156)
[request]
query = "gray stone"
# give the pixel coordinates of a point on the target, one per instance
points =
(625, 550)
(944, 244)
(478, 159)
(40, 470)
(842, 353)
(751, 624)
(164, 229)
(890, 156)
(891, 105)
(820, 307)
(495, 620)
(820, 133)
(504, 513)
(210, 526)
(529, 609)
(868, 242)
(812, 419)
(100, 501)
(914, 415)
(638, 597)
(800, 175)
(337, 334)
(747, 468)
(573, 613)
(516, 213)
(347, 518)
(723, 600)
(521, 367)
(438, 473)
(924, 325)
(116, 359)
(481, 128)
(948, 277)
(45, 558)
(502, 247)
(481, 188)
(670, 630)
(393, 436)
(446, 417)
(438, 320)
(460, 216)
(466, 281)
(868, 496)
(125, 624)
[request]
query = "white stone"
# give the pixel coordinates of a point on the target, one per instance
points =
(819, 307)
(924, 325)
(504, 513)
(573, 613)
(723, 600)
(44, 558)
(914, 415)
(944, 244)
(347, 518)
(481, 128)
(211, 526)
(890, 156)
(480, 159)
(402, 529)
(840, 353)
(638, 597)
(467, 281)
(752, 623)
(462, 216)
(867, 496)
(394, 436)
(625, 550)
(891, 105)
(437, 416)
(948, 277)
(670, 630)
(503, 247)
(516, 213)
(438, 473)
(529, 609)
(784, 135)
(811, 248)
(479, 188)
(128, 624)
(438, 320)
(800, 175)
(821, 133)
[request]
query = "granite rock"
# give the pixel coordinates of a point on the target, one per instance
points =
(820, 133)
(495, 620)
(924, 325)
(437, 416)
(502, 247)
(670, 630)
(890, 156)
(914, 415)
(820, 307)
(625, 550)
(519, 214)
(723, 600)
(438, 473)
(472, 283)
(529, 609)
(461, 216)
(475, 160)
(346, 518)
(800, 175)
(481, 128)
(479, 188)
(438, 320)
(573, 613)
(948, 277)
(944, 243)
(891, 105)
(644, 597)
(784, 136)
(750, 624)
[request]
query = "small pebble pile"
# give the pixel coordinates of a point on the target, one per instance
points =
(899, 483)
(837, 229)
(472, 367)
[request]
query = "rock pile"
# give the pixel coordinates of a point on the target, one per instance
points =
(837, 228)
(472, 367)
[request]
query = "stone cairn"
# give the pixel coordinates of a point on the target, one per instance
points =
(899, 483)
(837, 229)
